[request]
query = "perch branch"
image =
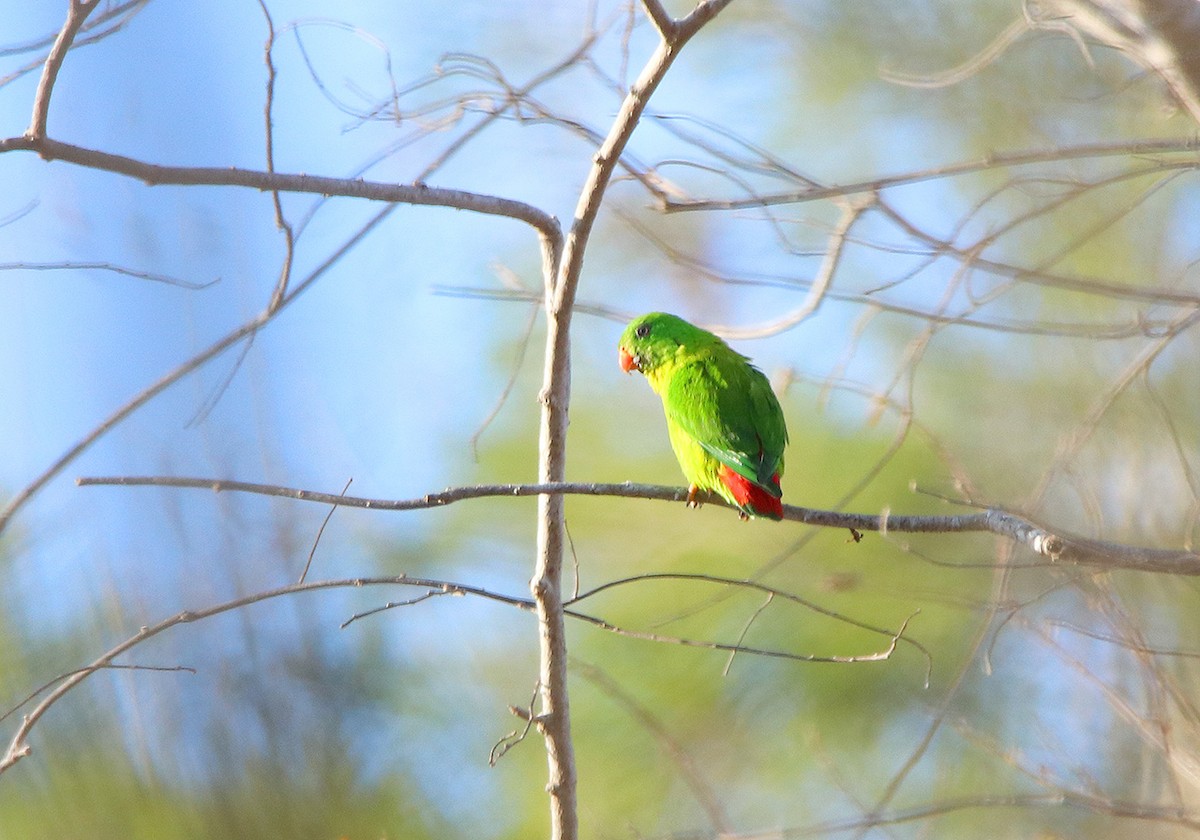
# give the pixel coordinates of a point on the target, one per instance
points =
(1055, 545)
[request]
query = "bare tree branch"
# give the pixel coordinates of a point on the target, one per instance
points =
(33, 695)
(952, 76)
(562, 268)
(546, 225)
(1000, 160)
(852, 210)
(1177, 24)
(19, 747)
(135, 273)
(77, 13)
(124, 10)
(663, 22)
(1056, 545)
(416, 194)
(281, 222)
(971, 270)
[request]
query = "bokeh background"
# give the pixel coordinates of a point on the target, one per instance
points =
(1021, 336)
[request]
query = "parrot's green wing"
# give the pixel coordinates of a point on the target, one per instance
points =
(727, 406)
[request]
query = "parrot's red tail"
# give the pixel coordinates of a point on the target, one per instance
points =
(750, 497)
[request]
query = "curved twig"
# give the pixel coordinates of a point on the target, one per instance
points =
(998, 160)
(19, 747)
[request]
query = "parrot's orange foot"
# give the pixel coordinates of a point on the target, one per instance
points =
(691, 496)
(745, 517)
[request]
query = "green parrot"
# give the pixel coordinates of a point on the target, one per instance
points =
(725, 424)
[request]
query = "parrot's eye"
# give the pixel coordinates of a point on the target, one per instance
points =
(643, 331)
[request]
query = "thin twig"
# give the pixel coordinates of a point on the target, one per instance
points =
(112, 268)
(501, 747)
(746, 629)
(21, 498)
(281, 222)
(320, 531)
(391, 605)
(704, 792)
(730, 647)
(522, 349)
(1114, 640)
(112, 666)
(997, 160)
(851, 212)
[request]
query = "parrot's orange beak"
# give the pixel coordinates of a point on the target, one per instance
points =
(627, 362)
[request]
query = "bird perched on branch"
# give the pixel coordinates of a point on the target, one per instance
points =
(725, 424)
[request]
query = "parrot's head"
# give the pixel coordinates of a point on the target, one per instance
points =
(654, 339)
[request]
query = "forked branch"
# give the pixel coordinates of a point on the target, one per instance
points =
(562, 270)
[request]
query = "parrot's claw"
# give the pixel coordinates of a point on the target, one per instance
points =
(691, 496)
(742, 515)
